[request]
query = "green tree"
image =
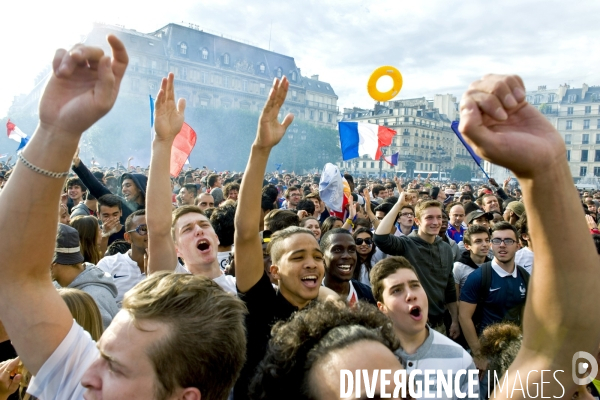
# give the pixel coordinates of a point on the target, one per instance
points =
(461, 173)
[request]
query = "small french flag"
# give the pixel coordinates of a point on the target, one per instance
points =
(358, 139)
(392, 160)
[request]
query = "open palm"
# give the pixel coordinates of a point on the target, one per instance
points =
(270, 131)
(168, 116)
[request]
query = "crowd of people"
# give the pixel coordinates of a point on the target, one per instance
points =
(248, 286)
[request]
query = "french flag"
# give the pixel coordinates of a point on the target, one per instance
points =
(392, 160)
(358, 139)
(16, 134)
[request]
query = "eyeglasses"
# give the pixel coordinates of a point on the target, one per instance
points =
(407, 215)
(367, 241)
(141, 230)
(508, 242)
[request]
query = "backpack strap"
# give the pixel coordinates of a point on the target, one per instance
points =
(523, 272)
(486, 281)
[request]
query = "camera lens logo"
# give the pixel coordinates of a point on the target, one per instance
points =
(582, 366)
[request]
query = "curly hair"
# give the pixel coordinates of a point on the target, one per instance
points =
(309, 336)
(500, 344)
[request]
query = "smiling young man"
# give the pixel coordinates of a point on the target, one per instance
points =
(177, 337)
(186, 232)
(400, 296)
(339, 250)
(433, 259)
(296, 258)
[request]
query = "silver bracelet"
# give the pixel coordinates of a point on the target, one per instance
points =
(39, 170)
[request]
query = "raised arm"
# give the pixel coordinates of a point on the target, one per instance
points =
(168, 120)
(247, 218)
(386, 224)
(82, 88)
(506, 130)
(96, 188)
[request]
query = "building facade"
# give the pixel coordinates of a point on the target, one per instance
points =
(575, 112)
(210, 71)
(424, 140)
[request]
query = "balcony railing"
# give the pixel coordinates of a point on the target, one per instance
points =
(147, 71)
(321, 105)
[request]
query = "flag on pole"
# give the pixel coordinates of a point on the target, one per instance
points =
(474, 155)
(358, 139)
(3, 155)
(16, 134)
(278, 166)
(392, 160)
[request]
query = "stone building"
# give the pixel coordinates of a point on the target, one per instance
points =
(210, 71)
(425, 141)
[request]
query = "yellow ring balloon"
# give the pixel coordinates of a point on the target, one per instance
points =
(378, 73)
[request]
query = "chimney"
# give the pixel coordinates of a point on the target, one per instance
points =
(315, 77)
(584, 89)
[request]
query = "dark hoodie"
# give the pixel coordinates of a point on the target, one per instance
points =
(141, 181)
(433, 263)
(465, 258)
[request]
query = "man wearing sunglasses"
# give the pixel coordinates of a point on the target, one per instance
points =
(503, 300)
(128, 269)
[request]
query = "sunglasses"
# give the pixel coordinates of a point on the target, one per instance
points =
(141, 230)
(359, 241)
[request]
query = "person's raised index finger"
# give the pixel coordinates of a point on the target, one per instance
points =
(120, 57)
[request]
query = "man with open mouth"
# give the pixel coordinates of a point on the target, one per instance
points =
(400, 296)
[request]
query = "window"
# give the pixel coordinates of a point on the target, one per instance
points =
(585, 138)
(278, 72)
(572, 98)
(568, 138)
(568, 155)
(226, 59)
(551, 98)
(596, 171)
(586, 124)
(245, 86)
(312, 114)
(183, 73)
(329, 118)
(569, 124)
(364, 164)
(598, 124)
(262, 68)
(321, 116)
(226, 81)
(183, 48)
(262, 88)
(372, 165)
(294, 76)
(205, 53)
(203, 103)
(597, 138)
(597, 155)
(569, 110)
(294, 95)
(588, 109)
(584, 155)
(582, 171)
(204, 77)
(154, 65)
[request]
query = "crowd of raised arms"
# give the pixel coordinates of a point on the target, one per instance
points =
(126, 283)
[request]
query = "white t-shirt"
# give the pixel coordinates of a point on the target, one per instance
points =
(227, 282)
(124, 271)
(60, 376)
(524, 258)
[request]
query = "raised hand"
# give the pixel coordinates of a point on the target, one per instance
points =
(270, 131)
(83, 86)
(506, 130)
(493, 182)
(168, 116)
(130, 158)
(76, 159)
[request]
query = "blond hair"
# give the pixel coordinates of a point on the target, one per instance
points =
(422, 206)
(84, 310)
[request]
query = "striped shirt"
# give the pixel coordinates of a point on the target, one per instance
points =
(439, 353)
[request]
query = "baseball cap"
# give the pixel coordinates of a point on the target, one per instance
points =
(478, 214)
(67, 250)
(517, 207)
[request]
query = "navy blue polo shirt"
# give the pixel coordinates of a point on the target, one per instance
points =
(506, 292)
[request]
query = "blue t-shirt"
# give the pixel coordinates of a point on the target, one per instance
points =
(506, 293)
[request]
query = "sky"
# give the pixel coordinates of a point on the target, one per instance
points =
(439, 46)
